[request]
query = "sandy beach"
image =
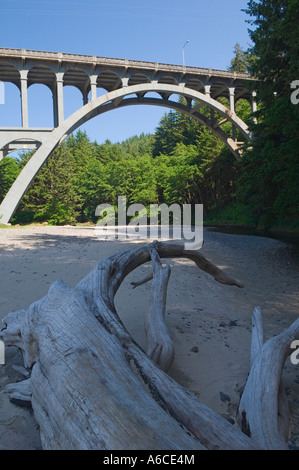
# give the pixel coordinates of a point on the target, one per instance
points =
(210, 323)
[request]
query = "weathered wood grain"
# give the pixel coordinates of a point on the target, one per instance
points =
(93, 387)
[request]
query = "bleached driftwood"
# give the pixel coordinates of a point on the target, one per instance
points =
(93, 387)
(159, 343)
(263, 410)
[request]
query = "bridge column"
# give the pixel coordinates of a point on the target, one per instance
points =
(58, 100)
(24, 97)
(208, 93)
(253, 105)
(208, 90)
(55, 108)
(93, 86)
(231, 90)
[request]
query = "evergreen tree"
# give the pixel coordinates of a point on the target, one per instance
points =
(94, 189)
(240, 61)
(168, 134)
(81, 150)
(138, 146)
(275, 46)
(9, 170)
(268, 185)
(51, 196)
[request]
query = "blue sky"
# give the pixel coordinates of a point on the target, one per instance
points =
(151, 30)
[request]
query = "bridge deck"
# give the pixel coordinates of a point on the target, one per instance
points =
(59, 57)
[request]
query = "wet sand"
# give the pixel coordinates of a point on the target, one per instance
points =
(210, 323)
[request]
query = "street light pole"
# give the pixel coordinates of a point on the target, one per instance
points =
(184, 52)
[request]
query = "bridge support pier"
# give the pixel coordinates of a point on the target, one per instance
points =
(93, 86)
(232, 108)
(24, 97)
(58, 101)
(253, 106)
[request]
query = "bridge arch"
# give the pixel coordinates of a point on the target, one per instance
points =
(112, 100)
(76, 77)
(195, 84)
(40, 105)
(42, 75)
(10, 109)
(168, 80)
(109, 80)
(10, 73)
(137, 78)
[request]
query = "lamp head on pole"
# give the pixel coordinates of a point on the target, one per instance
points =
(184, 53)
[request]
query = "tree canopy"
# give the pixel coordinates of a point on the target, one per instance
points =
(268, 185)
(241, 60)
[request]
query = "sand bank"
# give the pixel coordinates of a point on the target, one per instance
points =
(210, 323)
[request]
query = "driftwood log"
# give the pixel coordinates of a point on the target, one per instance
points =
(92, 387)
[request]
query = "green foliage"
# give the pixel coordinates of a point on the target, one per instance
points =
(175, 128)
(9, 170)
(138, 145)
(241, 60)
(268, 184)
(235, 214)
(51, 196)
(167, 135)
(275, 47)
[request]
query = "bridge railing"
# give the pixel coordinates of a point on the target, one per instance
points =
(96, 60)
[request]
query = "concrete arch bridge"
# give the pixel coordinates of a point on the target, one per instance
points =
(125, 83)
